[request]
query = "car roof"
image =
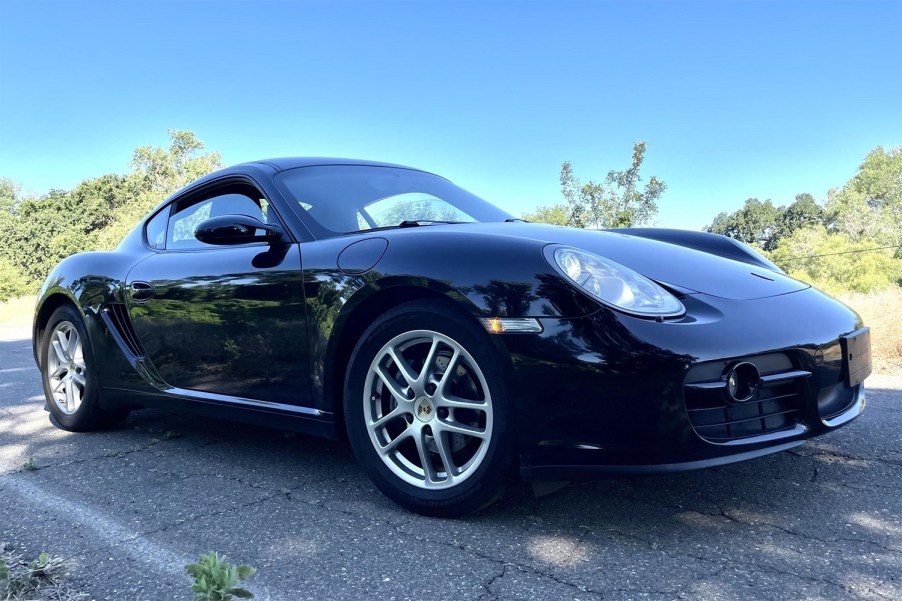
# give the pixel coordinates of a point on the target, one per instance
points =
(274, 166)
(283, 163)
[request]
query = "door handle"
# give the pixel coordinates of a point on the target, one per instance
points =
(141, 292)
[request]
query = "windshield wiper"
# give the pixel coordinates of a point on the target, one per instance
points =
(418, 222)
(405, 223)
(515, 220)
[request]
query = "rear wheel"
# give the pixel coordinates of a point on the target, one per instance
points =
(427, 410)
(70, 382)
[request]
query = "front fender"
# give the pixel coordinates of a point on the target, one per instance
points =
(483, 275)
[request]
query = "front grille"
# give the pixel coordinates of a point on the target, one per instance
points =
(116, 317)
(774, 408)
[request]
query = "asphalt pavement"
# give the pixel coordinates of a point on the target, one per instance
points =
(130, 507)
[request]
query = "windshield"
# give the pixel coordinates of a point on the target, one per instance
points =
(339, 199)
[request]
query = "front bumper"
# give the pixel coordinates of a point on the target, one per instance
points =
(609, 394)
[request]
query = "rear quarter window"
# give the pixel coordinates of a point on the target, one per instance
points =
(155, 230)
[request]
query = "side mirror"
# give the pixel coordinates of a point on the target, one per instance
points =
(236, 229)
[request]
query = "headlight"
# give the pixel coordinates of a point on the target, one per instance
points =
(614, 284)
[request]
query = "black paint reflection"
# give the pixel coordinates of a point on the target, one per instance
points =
(597, 383)
(228, 321)
(503, 299)
(327, 292)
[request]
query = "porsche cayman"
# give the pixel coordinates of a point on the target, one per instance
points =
(455, 346)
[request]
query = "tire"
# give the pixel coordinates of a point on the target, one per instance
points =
(426, 388)
(69, 376)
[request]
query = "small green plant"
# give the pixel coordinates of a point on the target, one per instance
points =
(215, 579)
(31, 580)
(30, 465)
(40, 567)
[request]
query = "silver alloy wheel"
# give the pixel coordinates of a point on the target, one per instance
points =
(428, 409)
(65, 367)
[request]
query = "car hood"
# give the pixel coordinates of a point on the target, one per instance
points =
(665, 263)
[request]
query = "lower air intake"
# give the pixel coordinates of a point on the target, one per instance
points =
(775, 406)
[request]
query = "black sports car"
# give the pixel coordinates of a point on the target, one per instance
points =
(453, 345)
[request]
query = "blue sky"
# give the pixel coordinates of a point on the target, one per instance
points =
(735, 99)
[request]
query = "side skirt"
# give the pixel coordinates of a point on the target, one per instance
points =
(270, 415)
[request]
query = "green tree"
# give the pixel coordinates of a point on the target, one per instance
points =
(869, 206)
(879, 178)
(158, 173)
(834, 262)
(164, 171)
(36, 233)
(39, 232)
(803, 212)
(555, 215)
(9, 195)
(12, 282)
(756, 223)
(620, 200)
(837, 247)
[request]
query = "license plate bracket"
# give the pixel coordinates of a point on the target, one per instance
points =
(856, 348)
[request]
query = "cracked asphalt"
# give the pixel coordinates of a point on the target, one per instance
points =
(131, 506)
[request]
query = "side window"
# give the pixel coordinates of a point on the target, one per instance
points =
(188, 214)
(183, 222)
(155, 230)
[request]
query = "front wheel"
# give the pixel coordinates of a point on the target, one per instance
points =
(428, 410)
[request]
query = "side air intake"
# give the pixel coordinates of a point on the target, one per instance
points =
(116, 317)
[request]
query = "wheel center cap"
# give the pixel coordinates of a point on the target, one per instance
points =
(424, 409)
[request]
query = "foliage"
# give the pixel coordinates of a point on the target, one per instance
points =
(40, 567)
(763, 225)
(36, 579)
(838, 247)
(835, 262)
(158, 173)
(618, 201)
(755, 223)
(869, 206)
(30, 466)
(165, 171)
(36, 233)
(44, 231)
(803, 212)
(879, 178)
(558, 214)
(9, 199)
(865, 213)
(12, 282)
(217, 580)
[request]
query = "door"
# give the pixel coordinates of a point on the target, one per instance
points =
(227, 320)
